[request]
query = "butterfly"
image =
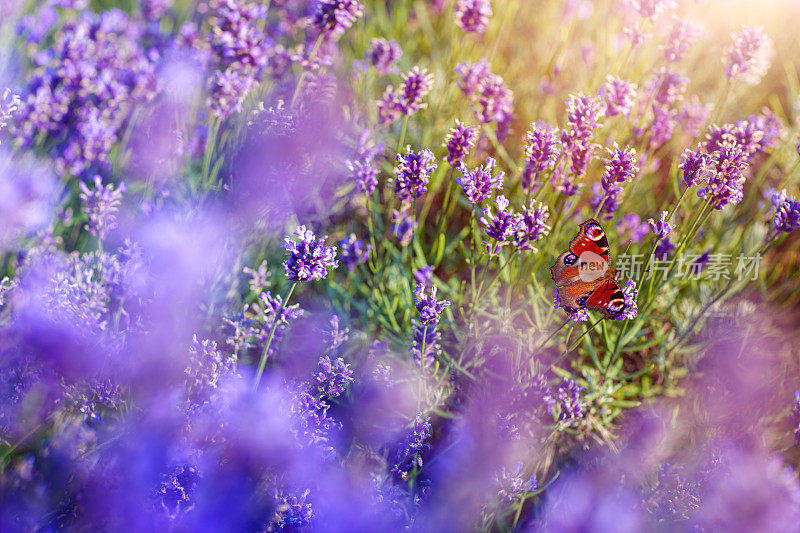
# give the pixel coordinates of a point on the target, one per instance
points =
(582, 275)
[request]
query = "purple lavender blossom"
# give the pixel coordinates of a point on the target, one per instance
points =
(666, 88)
(383, 55)
(531, 226)
(492, 101)
(416, 84)
(240, 48)
(268, 310)
(695, 166)
(412, 173)
(403, 225)
(458, 142)
(227, 91)
(471, 75)
(479, 182)
(208, 367)
(619, 96)
(364, 175)
(309, 258)
(620, 168)
(787, 212)
(583, 114)
(259, 277)
(293, 512)
(567, 400)
(428, 307)
(681, 35)
(85, 84)
(9, 103)
(333, 377)
(512, 484)
(100, 204)
(726, 177)
(472, 16)
(662, 228)
(353, 251)
(334, 17)
(423, 275)
(500, 227)
(749, 56)
(408, 453)
(542, 149)
(388, 105)
(664, 248)
(336, 335)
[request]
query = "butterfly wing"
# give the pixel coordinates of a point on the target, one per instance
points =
(590, 238)
(578, 288)
(607, 297)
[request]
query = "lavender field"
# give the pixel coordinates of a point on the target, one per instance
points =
(321, 265)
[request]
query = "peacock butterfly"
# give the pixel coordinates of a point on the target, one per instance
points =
(582, 275)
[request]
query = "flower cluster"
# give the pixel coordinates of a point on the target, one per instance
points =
(512, 483)
(353, 252)
(542, 150)
(583, 114)
(407, 98)
(383, 55)
(408, 453)
(492, 100)
(479, 182)
(334, 17)
(309, 258)
(83, 88)
(240, 49)
(425, 338)
(661, 228)
(472, 16)
(566, 401)
(100, 205)
(749, 56)
(412, 173)
(9, 103)
(458, 142)
(619, 96)
(787, 212)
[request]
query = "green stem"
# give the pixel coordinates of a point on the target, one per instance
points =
(263, 362)
(402, 134)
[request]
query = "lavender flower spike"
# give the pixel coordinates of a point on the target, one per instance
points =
(416, 84)
(334, 17)
(500, 227)
(309, 258)
(383, 55)
(478, 183)
(428, 307)
(9, 103)
(694, 164)
(661, 228)
(412, 174)
(787, 212)
(531, 226)
(458, 142)
(100, 205)
(472, 16)
(749, 56)
(568, 400)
